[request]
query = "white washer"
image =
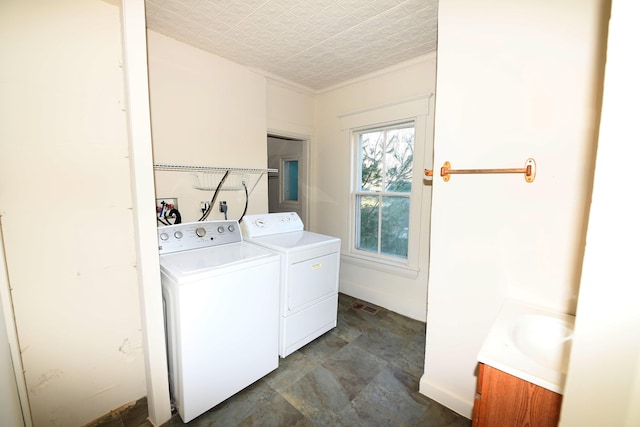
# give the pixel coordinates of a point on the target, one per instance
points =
(309, 275)
(221, 301)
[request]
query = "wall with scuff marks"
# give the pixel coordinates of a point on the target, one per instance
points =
(66, 208)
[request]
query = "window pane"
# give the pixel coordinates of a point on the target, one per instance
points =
(290, 181)
(367, 233)
(371, 157)
(399, 160)
(383, 188)
(395, 226)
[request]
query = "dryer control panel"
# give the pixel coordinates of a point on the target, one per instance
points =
(195, 235)
(272, 223)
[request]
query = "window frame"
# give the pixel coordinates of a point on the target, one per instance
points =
(377, 259)
(284, 181)
(380, 195)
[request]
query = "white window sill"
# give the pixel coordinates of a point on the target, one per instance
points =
(381, 265)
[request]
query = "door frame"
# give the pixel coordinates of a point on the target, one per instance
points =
(305, 175)
(6, 311)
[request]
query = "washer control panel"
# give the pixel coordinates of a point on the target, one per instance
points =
(194, 235)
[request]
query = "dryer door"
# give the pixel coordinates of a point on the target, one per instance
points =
(310, 281)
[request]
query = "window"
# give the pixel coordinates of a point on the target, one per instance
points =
(290, 181)
(383, 190)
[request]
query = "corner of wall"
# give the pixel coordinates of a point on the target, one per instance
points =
(442, 396)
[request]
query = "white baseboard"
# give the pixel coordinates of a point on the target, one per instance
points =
(457, 404)
(412, 309)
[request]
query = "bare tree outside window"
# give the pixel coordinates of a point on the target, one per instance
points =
(385, 172)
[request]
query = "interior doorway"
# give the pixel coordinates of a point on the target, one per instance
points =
(288, 188)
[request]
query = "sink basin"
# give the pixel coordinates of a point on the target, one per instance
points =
(530, 343)
(545, 339)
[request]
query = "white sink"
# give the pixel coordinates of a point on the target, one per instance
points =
(530, 343)
(544, 339)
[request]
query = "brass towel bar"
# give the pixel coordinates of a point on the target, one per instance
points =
(529, 171)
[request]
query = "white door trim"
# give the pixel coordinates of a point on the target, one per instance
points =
(6, 311)
(305, 176)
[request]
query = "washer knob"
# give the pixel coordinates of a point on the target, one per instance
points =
(178, 234)
(231, 228)
(220, 229)
(201, 232)
(164, 236)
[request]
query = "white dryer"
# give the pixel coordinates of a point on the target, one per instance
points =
(221, 302)
(310, 267)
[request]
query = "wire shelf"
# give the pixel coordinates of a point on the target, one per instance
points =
(207, 178)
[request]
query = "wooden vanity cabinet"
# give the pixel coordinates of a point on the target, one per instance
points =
(503, 400)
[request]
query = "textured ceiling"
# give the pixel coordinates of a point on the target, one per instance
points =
(314, 43)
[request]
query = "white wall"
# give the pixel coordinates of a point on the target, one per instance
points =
(205, 110)
(515, 80)
(291, 113)
(66, 205)
(290, 109)
(603, 383)
(331, 178)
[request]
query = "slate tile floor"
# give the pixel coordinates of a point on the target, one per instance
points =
(364, 372)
